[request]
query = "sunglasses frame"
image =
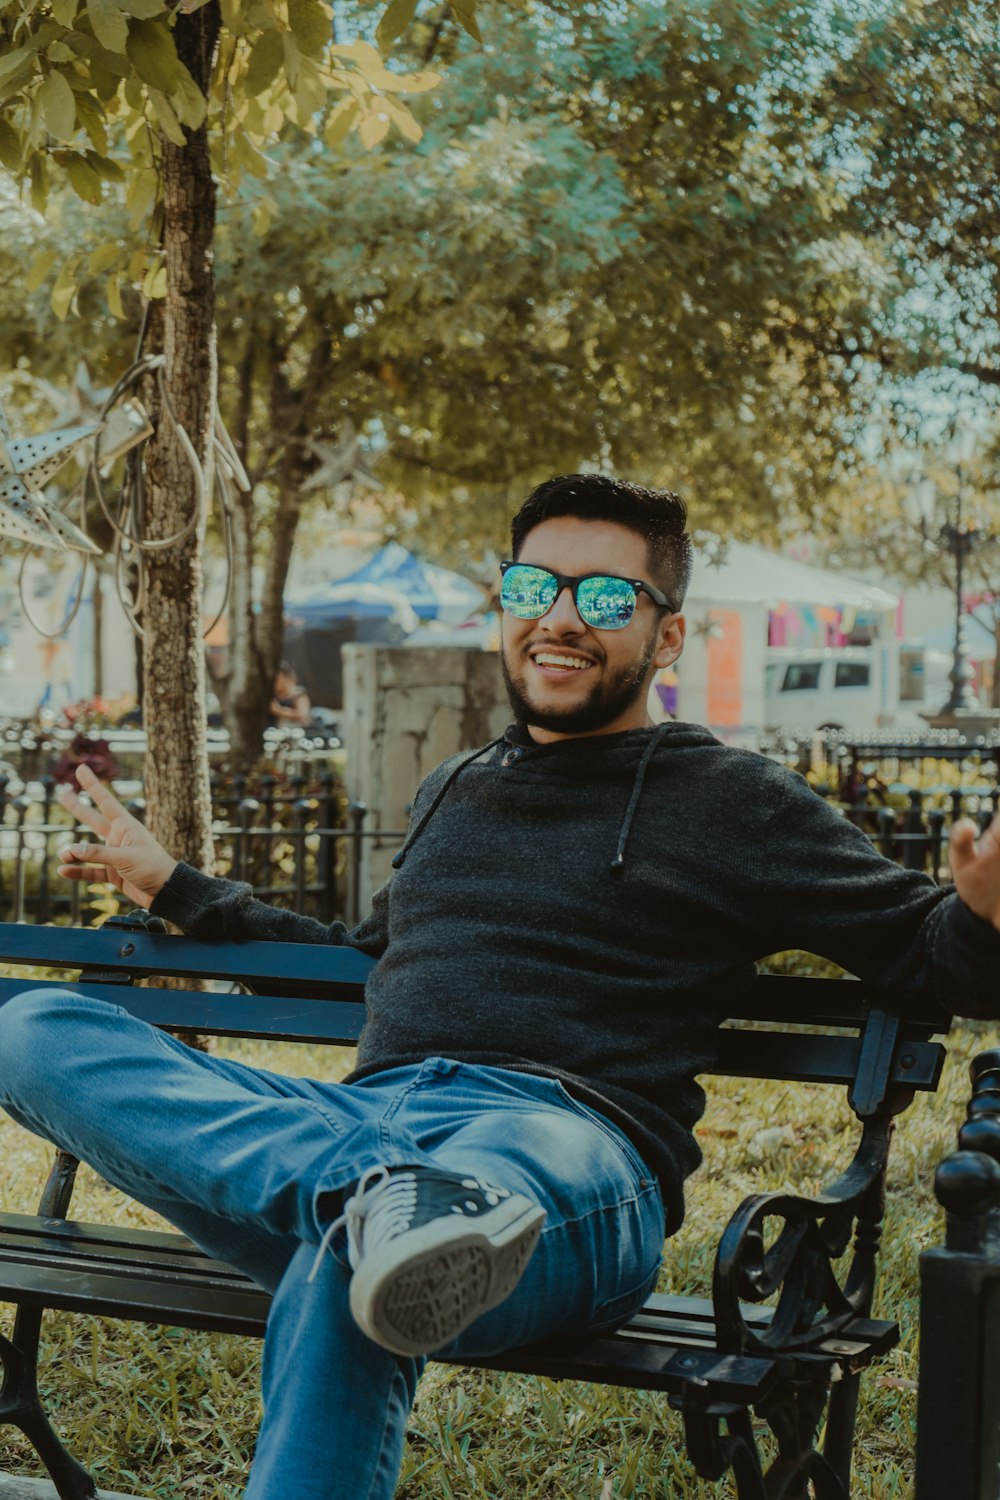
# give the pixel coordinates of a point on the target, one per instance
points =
(567, 581)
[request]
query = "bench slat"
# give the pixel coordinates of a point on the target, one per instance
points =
(801, 1057)
(324, 965)
(157, 1277)
(276, 1018)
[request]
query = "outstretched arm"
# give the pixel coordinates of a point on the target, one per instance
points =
(130, 858)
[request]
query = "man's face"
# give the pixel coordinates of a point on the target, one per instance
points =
(565, 678)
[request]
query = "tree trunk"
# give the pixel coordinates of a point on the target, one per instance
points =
(177, 787)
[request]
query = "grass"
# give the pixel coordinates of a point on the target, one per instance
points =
(171, 1413)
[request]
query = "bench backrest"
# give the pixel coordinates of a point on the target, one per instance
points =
(804, 1029)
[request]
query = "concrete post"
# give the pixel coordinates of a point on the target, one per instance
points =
(405, 710)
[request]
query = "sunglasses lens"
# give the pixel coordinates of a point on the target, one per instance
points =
(527, 592)
(605, 603)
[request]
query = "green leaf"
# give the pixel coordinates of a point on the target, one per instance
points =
(64, 292)
(263, 215)
(104, 257)
(115, 297)
(152, 53)
(267, 58)
(341, 122)
(404, 121)
(110, 26)
(106, 169)
(394, 22)
(10, 146)
(58, 104)
(140, 197)
(166, 119)
(188, 100)
(40, 268)
(154, 283)
(374, 126)
(64, 11)
(363, 54)
(465, 14)
(142, 10)
(84, 181)
(14, 64)
(310, 26)
(246, 153)
(92, 120)
(389, 82)
(39, 183)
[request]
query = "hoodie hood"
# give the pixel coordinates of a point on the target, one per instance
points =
(580, 757)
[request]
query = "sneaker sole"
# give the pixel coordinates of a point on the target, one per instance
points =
(434, 1281)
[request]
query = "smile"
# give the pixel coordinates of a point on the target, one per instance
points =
(556, 661)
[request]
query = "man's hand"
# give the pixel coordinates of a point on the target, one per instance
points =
(975, 865)
(130, 858)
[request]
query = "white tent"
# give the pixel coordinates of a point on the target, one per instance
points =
(733, 588)
(752, 575)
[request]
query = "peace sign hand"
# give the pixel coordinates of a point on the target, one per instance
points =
(130, 858)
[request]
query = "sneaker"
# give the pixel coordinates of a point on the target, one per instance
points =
(431, 1253)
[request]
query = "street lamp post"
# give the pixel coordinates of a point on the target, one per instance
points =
(960, 538)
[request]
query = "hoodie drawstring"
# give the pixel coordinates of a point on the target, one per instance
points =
(397, 859)
(618, 863)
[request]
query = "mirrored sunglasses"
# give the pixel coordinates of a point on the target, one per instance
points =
(603, 601)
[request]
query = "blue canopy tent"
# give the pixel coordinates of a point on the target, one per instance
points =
(433, 593)
(382, 602)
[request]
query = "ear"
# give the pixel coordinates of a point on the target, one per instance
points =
(671, 640)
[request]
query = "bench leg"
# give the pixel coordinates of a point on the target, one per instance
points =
(838, 1444)
(20, 1405)
(793, 1412)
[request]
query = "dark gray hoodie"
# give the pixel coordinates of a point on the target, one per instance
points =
(588, 909)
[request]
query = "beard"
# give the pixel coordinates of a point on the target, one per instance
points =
(608, 698)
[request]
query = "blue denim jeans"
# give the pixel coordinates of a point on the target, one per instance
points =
(247, 1164)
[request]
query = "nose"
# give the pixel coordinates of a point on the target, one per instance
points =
(562, 615)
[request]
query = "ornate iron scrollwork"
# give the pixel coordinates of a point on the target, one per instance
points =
(799, 1269)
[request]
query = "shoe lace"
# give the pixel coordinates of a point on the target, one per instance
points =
(385, 1200)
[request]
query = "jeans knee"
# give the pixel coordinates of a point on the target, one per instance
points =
(31, 1025)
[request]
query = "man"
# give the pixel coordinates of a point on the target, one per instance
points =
(290, 702)
(572, 910)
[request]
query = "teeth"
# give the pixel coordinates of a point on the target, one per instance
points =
(550, 659)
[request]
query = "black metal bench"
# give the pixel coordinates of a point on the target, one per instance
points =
(786, 1332)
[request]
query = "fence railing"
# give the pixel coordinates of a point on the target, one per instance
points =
(298, 841)
(298, 846)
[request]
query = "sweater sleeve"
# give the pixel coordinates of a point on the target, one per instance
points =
(209, 906)
(827, 890)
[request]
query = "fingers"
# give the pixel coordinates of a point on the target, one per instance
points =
(91, 874)
(962, 842)
(82, 811)
(100, 861)
(99, 794)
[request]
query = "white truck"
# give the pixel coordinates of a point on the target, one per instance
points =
(879, 687)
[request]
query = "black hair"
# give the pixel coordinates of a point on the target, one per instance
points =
(658, 516)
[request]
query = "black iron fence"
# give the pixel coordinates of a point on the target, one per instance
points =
(297, 840)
